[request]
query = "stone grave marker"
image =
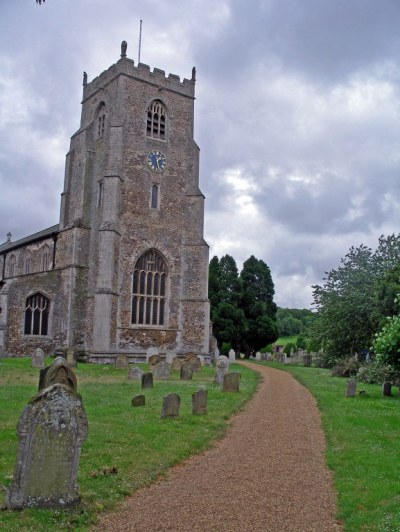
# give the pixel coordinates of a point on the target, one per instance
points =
(258, 355)
(170, 406)
(38, 358)
(188, 356)
(135, 373)
(50, 431)
(176, 364)
(58, 373)
(138, 400)
(153, 360)
(70, 358)
(169, 357)
(195, 363)
(161, 371)
(231, 382)
(121, 362)
(351, 388)
(150, 352)
(222, 366)
(199, 402)
(307, 360)
(147, 380)
(386, 389)
(232, 356)
(186, 372)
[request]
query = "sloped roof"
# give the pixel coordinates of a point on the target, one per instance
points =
(40, 235)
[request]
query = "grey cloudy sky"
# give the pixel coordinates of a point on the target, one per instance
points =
(297, 117)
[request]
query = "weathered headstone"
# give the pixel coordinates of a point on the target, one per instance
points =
(51, 430)
(232, 356)
(161, 371)
(195, 363)
(58, 373)
(176, 364)
(70, 358)
(222, 366)
(150, 352)
(121, 362)
(147, 380)
(186, 372)
(138, 400)
(258, 355)
(169, 357)
(135, 373)
(199, 402)
(38, 358)
(153, 360)
(351, 388)
(231, 382)
(188, 356)
(387, 389)
(307, 360)
(171, 404)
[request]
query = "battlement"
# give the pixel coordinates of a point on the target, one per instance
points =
(142, 72)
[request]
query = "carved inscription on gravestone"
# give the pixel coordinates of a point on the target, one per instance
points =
(51, 431)
(38, 358)
(231, 382)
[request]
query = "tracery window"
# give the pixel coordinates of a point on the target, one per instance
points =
(149, 289)
(28, 265)
(45, 259)
(37, 315)
(156, 120)
(100, 120)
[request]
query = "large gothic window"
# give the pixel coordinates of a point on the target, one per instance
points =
(37, 315)
(156, 120)
(149, 289)
(12, 266)
(100, 120)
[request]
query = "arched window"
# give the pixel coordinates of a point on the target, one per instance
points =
(12, 266)
(28, 264)
(37, 315)
(100, 120)
(149, 289)
(156, 120)
(154, 197)
(45, 259)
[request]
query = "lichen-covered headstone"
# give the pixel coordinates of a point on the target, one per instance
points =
(161, 371)
(171, 404)
(351, 388)
(147, 380)
(135, 373)
(194, 362)
(169, 357)
(231, 382)
(199, 402)
(386, 389)
(186, 372)
(121, 362)
(222, 366)
(138, 400)
(153, 361)
(38, 358)
(151, 351)
(176, 364)
(58, 373)
(51, 431)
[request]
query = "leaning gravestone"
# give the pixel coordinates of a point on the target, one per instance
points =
(135, 373)
(58, 373)
(161, 371)
(153, 360)
(121, 362)
(351, 388)
(386, 389)
(222, 366)
(176, 364)
(147, 380)
(199, 402)
(38, 358)
(51, 431)
(231, 382)
(186, 372)
(138, 400)
(171, 404)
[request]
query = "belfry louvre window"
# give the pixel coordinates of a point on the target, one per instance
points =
(37, 315)
(156, 120)
(149, 290)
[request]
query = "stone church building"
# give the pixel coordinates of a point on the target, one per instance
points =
(126, 268)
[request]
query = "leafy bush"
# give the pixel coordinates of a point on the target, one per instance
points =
(288, 347)
(267, 349)
(225, 348)
(346, 368)
(387, 344)
(377, 374)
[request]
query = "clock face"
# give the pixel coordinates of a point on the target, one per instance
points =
(156, 161)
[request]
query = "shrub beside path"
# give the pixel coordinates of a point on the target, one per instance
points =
(267, 474)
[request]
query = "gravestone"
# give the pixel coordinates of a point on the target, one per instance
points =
(199, 402)
(58, 373)
(195, 363)
(188, 356)
(169, 357)
(138, 400)
(153, 360)
(121, 362)
(386, 389)
(231, 355)
(171, 404)
(186, 372)
(70, 358)
(176, 364)
(51, 430)
(207, 361)
(150, 352)
(307, 360)
(135, 373)
(222, 366)
(161, 371)
(231, 382)
(38, 358)
(258, 355)
(351, 388)
(147, 380)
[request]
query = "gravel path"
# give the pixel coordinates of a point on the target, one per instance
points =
(267, 474)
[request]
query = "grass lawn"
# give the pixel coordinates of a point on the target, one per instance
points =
(363, 448)
(135, 441)
(283, 340)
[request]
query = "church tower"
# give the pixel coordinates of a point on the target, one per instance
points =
(131, 240)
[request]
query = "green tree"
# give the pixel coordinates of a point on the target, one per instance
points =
(386, 344)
